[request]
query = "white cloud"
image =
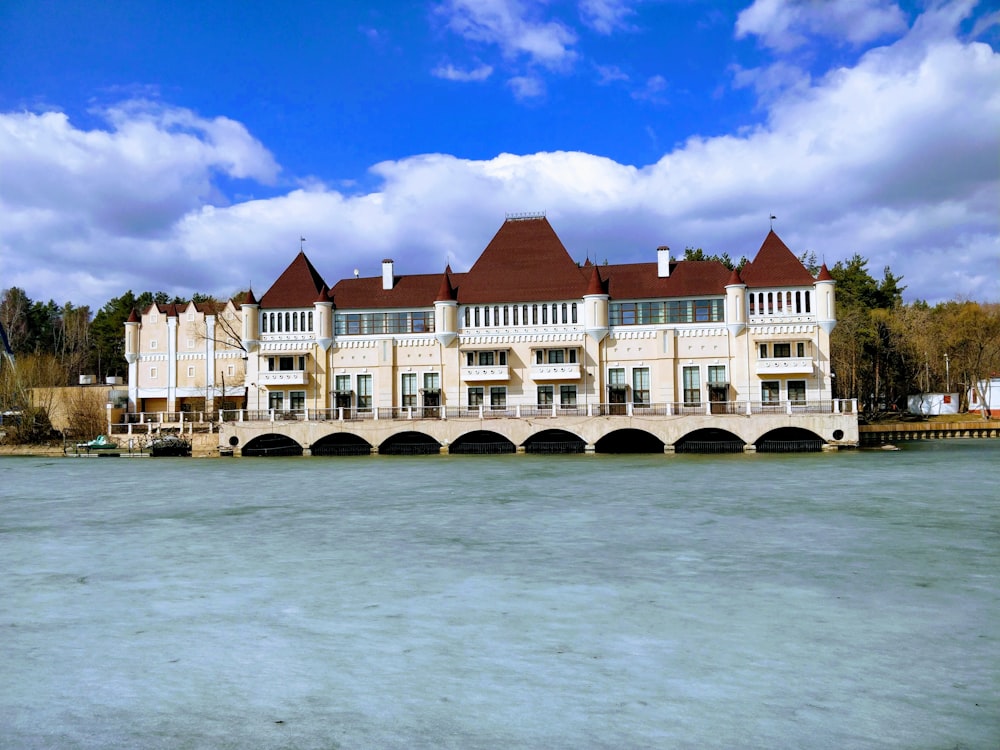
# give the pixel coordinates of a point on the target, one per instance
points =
(527, 87)
(450, 73)
(607, 74)
(606, 16)
(652, 90)
(786, 24)
(511, 26)
(894, 158)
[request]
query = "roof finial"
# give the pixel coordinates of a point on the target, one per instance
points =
(773, 217)
(302, 241)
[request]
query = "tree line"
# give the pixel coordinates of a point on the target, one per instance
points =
(882, 349)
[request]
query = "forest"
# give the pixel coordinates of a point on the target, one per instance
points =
(882, 348)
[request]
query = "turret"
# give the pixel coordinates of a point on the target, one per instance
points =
(323, 309)
(446, 310)
(595, 307)
(826, 312)
(736, 304)
(251, 322)
(132, 337)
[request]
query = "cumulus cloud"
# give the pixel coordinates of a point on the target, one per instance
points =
(511, 26)
(606, 16)
(786, 24)
(608, 74)
(893, 158)
(527, 87)
(450, 73)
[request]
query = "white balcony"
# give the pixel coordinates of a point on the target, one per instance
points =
(565, 371)
(491, 372)
(284, 377)
(785, 366)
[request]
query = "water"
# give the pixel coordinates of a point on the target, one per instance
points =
(821, 601)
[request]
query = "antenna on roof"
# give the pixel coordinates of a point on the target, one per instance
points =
(773, 217)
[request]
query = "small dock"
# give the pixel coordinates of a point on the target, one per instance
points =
(894, 432)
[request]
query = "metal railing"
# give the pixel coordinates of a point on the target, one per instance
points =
(148, 422)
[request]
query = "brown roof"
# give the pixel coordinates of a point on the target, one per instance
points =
(250, 299)
(525, 261)
(446, 292)
(824, 274)
(298, 286)
(688, 278)
(596, 285)
(775, 265)
(407, 292)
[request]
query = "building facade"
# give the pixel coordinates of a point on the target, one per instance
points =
(526, 332)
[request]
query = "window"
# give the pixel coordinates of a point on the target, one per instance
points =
(692, 386)
(276, 400)
(190, 317)
(496, 315)
(545, 395)
(716, 374)
(506, 314)
(475, 396)
(557, 356)
(364, 391)
(573, 312)
(616, 378)
(263, 323)
(534, 315)
(190, 371)
(409, 389)
(230, 369)
(342, 384)
(782, 350)
(797, 392)
(565, 317)
(640, 386)
(763, 351)
(468, 315)
(477, 317)
(515, 315)
(800, 349)
(310, 321)
(567, 396)
(673, 311)
(295, 322)
(297, 400)
(486, 316)
(152, 373)
(152, 343)
(545, 314)
(770, 392)
(498, 397)
(486, 359)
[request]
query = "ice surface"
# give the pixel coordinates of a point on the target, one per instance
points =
(820, 601)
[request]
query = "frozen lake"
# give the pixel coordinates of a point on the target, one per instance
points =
(806, 601)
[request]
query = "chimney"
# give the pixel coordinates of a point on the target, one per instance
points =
(663, 261)
(387, 277)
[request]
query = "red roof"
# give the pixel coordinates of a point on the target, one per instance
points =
(525, 261)
(824, 274)
(298, 286)
(688, 278)
(775, 265)
(407, 292)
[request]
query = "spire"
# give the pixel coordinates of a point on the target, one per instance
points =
(596, 286)
(824, 274)
(250, 299)
(324, 294)
(734, 279)
(133, 317)
(446, 292)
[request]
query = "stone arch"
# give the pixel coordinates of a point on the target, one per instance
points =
(410, 443)
(629, 440)
(555, 441)
(341, 444)
(272, 444)
(710, 440)
(789, 440)
(482, 442)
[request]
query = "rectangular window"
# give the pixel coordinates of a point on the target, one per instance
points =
(573, 310)
(486, 359)
(152, 344)
(190, 371)
(297, 400)
(231, 370)
(432, 381)
(342, 384)
(763, 351)
(782, 350)
(506, 315)
(640, 386)
(475, 396)
(616, 378)
(545, 395)
(498, 397)
(797, 392)
(692, 386)
(276, 400)
(545, 314)
(515, 315)
(716, 374)
(152, 373)
(572, 356)
(409, 389)
(770, 392)
(800, 349)
(364, 391)
(557, 356)
(567, 396)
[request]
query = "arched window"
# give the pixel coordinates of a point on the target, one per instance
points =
(288, 320)
(545, 314)
(486, 316)
(534, 315)
(565, 318)
(310, 321)
(573, 311)
(496, 315)
(281, 328)
(295, 322)
(515, 314)
(263, 323)
(467, 317)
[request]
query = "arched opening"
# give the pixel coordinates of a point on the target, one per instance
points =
(482, 442)
(554, 441)
(790, 440)
(272, 444)
(409, 444)
(341, 444)
(709, 440)
(629, 441)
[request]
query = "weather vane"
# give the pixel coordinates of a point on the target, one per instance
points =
(773, 217)
(303, 239)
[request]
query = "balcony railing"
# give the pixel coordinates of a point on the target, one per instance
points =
(569, 371)
(150, 422)
(785, 366)
(284, 377)
(487, 372)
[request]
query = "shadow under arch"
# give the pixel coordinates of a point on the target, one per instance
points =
(482, 442)
(341, 444)
(790, 440)
(409, 444)
(555, 441)
(629, 440)
(272, 444)
(709, 440)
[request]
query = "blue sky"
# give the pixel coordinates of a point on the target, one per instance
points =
(187, 146)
